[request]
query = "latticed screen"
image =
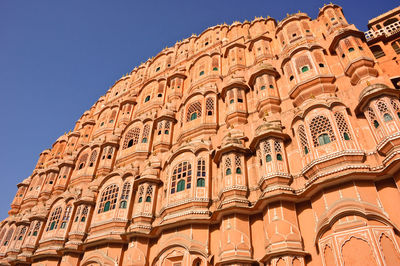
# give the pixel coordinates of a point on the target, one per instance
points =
(303, 139)
(342, 126)
(108, 198)
(131, 138)
(210, 106)
(382, 107)
(93, 158)
(193, 111)
(67, 213)
(321, 127)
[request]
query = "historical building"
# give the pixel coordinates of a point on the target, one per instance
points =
(256, 143)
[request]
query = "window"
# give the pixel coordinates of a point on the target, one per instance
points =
(181, 185)
(210, 106)
(304, 69)
(262, 88)
(84, 213)
(108, 198)
(351, 49)
(149, 193)
(8, 236)
(131, 138)
(148, 198)
(323, 139)
(377, 51)
(321, 131)
(321, 65)
(396, 46)
(201, 182)
(193, 111)
(93, 157)
(147, 98)
(342, 126)
(376, 124)
(140, 199)
(126, 189)
(271, 86)
(387, 117)
(182, 172)
(215, 69)
(231, 101)
(279, 157)
(146, 131)
(123, 204)
(82, 161)
(54, 219)
(291, 78)
(228, 165)
(238, 164)
(268, 158)
(157, 69)
(201, 73)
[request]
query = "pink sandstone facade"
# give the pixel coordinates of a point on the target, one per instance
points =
(256, 143)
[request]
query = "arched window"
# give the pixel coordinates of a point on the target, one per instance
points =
(141, 191)
(109, 152)
(181, 185)
(147, 98)
(262, 87)
(382, 107)
(149, 193)
(36, 228)
(108, 198)
(8, 236)
(131, 138)
(201, 172)
(387, 117)
(123, 204)
(351, 49)
(210, 106)
(54, 219)
(303, 139)
(323, 139)
(140, 199)
(279, 157)
(321, 131)
(238, 164)
(182, 172)
(201, 73)
(78, 212)
(146, 131)
(201, 182)
(372, 117)
(268, 158)
(193, 111)
(82, 161)
(228, 165)
(84, 213)
(66, 216)
(126, 189)
(342, 126)
(22, 233)
(93, 157)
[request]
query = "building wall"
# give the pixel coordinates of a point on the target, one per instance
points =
(256, 143)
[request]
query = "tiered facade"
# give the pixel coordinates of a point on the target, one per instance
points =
(257, 143)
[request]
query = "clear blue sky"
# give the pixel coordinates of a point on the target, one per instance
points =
(58, 57)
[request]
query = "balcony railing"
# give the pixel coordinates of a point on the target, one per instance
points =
(386, 31)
